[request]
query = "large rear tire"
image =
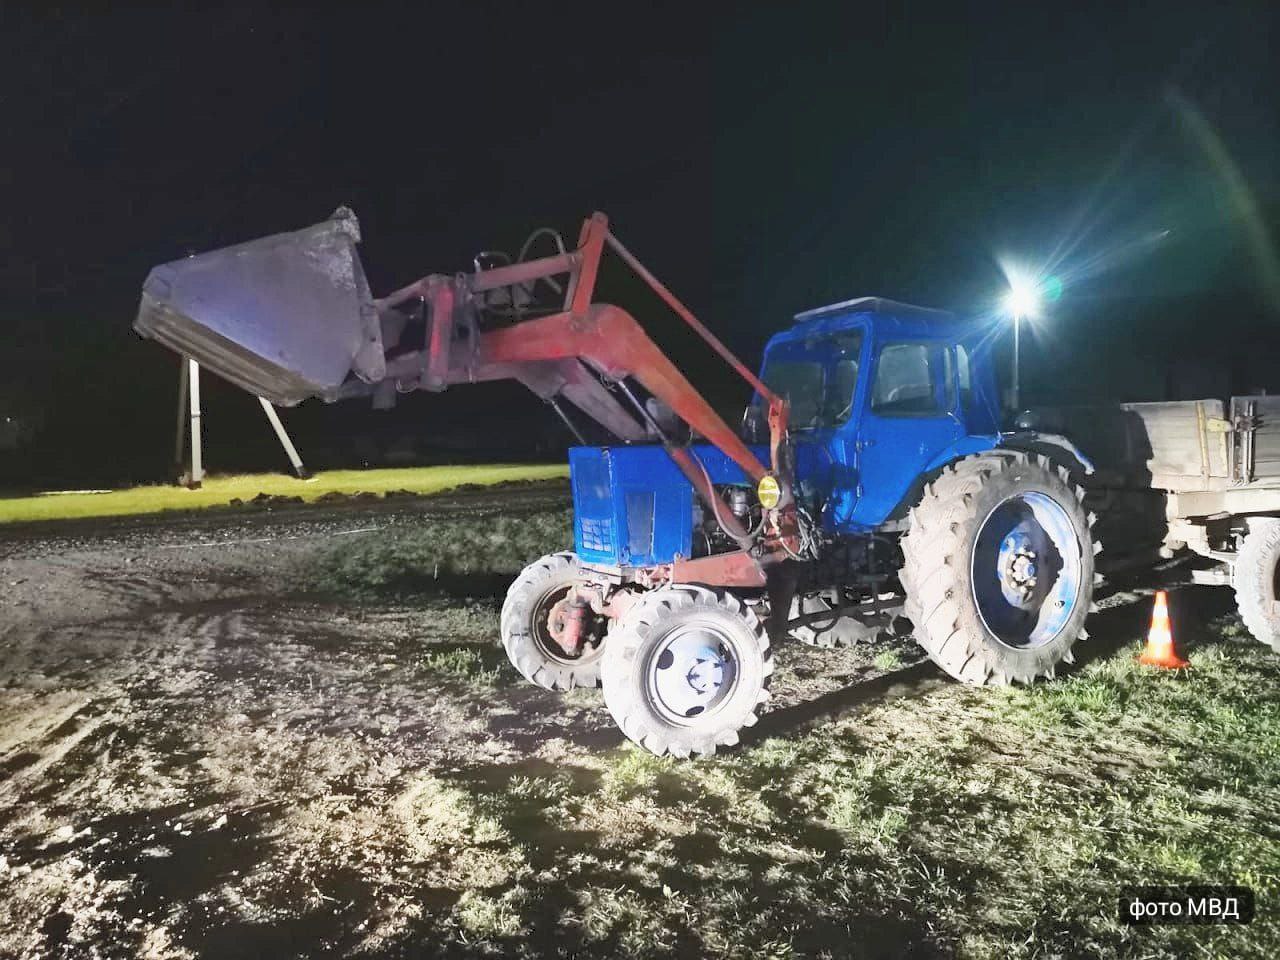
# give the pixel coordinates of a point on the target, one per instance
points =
(999, 568)
(685, 669)
(1257, 581)
(526, 635)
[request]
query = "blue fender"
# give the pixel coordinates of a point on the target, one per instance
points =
(1019, 440)
(964, 447)
(961, 447)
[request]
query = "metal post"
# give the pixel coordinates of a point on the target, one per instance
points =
(289, 448)
(197, 461)
(1017, 326)
(182, 419)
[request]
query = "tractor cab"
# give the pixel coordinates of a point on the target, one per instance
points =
(880, 393)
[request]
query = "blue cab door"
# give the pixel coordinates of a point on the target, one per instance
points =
(908, 417)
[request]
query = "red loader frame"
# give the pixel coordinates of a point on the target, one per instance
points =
(547, 354)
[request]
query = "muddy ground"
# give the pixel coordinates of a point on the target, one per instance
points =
(207, 750)
(202, 754)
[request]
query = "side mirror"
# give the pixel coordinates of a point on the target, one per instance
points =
(755, 426)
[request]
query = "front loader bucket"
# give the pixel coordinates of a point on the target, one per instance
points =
(285, 317)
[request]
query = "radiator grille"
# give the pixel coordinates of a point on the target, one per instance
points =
(640, 523)
(596, 534)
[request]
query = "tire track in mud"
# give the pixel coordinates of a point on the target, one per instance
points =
(178, 729)
(21, 756)
(110, 813)
(87, 652)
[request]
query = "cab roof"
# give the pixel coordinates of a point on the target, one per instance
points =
(886, 317)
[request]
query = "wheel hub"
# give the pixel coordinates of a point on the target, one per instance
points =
(691, 672)
(707, 673)
(568, 628)
(1018, 565)
(1026, 569)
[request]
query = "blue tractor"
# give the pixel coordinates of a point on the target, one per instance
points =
(870, 485)
(914, 511)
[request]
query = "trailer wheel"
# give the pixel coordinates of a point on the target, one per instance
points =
(833, 631)
(1257, 581)
(999, 568)
(526, 634)
(685, 669)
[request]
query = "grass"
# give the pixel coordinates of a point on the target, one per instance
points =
(451, 555)
(888, 660)
(975, 823)
(465, 665)
(219, 491)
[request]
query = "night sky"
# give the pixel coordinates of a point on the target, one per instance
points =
(761, 163)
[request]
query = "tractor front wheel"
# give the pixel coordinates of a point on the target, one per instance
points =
(526, 627)
(999, 568)
(685, 669)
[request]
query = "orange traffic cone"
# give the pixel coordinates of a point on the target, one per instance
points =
(1160, 651)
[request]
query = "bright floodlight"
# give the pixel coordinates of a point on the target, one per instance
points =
(1023, 299)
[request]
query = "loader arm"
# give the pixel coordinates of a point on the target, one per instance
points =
(611, 342)
(290, 316)
(616, 346)
(607, 337)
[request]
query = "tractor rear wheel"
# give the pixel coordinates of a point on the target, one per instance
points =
(685, 669)
(999, 568)
(526, 630)
(1257, 581)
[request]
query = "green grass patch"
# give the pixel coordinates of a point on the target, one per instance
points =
(467, 555)
(219, 491)
(887, 660)
(987, 823)
(466, 665)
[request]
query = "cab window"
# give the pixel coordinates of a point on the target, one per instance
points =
(906, 376)
(846, 347)
(799, 382)
(963, 378)
(949, 378)
(839, 398)
(818, 383)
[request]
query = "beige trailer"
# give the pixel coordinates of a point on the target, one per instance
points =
(1190, 475)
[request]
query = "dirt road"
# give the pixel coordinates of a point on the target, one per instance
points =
(202, 753)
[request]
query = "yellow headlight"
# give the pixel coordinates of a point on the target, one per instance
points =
(769, 492)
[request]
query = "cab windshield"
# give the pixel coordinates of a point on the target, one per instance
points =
(800, 383)
(819, 382)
